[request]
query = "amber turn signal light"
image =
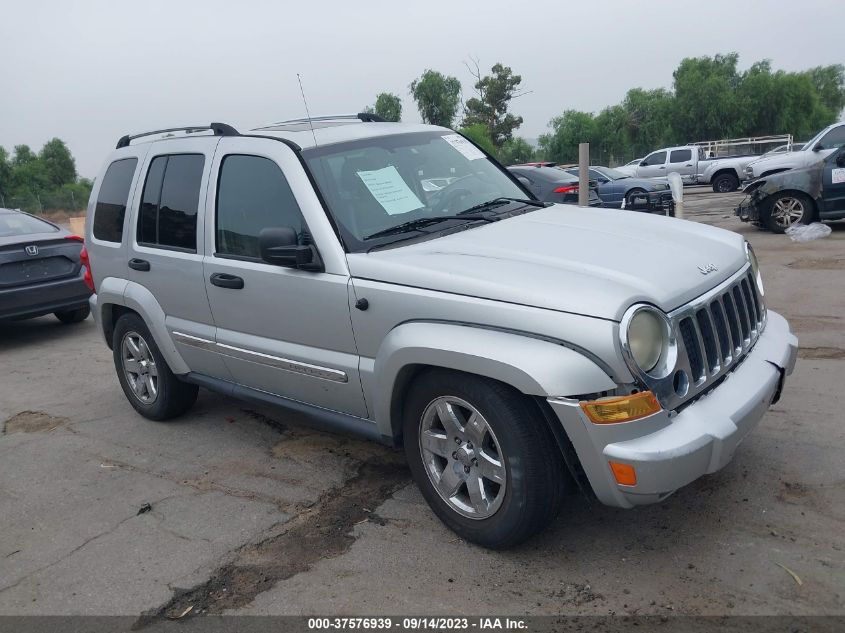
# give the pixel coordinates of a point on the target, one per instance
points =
(624, 473)
(621, 409)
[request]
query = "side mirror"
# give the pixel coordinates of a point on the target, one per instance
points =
(644, 164)
(279, 246)
(818, 147)
(840, 159)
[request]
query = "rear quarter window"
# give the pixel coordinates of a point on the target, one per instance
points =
(112, 200)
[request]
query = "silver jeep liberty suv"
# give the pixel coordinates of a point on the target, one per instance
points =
(394, 282)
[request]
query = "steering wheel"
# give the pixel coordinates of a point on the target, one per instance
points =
(448, 201)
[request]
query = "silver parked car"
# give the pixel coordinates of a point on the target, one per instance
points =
(516, 349)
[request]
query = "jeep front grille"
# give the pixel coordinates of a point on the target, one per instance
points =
(713, 333)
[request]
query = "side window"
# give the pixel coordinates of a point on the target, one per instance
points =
(680, 156)
(658, 158)
(168, 215)
(252, 194)
(833, 139)
(112, 200)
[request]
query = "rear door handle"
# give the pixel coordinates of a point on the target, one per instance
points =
(224, 280)
(139, 264)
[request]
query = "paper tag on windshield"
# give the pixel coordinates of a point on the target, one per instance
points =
(390, 190)
(837, 176)
(470, 151)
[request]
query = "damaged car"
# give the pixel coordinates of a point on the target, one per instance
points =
(804, 195)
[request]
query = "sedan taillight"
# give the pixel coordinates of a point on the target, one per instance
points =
(567, 189)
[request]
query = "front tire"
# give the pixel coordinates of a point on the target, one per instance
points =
(785, 209)
(151, 388)
(629, 195)
(73, 316)
(725, 183)
(483, 457)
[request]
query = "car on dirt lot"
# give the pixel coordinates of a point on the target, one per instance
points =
(551, 184)
(616, 188)
(517, 350)
(819, 147)
(804, 195)
(42, 270)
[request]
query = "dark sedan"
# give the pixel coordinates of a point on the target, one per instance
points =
(43, 270)
(616, 187)
(551, 184)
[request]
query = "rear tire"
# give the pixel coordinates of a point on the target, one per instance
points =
(785, 209)
(488, 464)
(725, 183)
(151, 388)
(73, 316)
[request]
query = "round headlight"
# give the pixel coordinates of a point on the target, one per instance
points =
(647, 338)
(755, 268)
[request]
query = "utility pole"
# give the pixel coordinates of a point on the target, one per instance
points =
(583, 174)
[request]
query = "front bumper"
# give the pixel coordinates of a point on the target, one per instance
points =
(653, 202)
(668, 450)
(749, 209)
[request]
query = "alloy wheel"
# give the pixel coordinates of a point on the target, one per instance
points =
(787, 211)
(462, 457)
(139, 367)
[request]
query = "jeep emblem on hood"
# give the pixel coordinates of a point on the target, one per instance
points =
(707, 269)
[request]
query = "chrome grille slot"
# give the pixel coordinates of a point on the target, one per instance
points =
(708, 338)
(713, 333)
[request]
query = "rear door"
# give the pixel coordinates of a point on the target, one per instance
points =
(166, 248)
(653, 165)
(285, 331)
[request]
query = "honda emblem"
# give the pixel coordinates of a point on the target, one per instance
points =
(32, 250)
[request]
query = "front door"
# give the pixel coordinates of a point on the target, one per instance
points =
(681, 161)
(653, 165)
(284, 331)
(833, 185)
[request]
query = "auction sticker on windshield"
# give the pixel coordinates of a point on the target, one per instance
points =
(390, 190)
(470, 151)
(837, 176)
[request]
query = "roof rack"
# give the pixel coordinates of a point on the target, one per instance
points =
(365, 117)
(219, 129)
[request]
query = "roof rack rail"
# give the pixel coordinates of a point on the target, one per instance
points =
(365, 117)
(219, 129)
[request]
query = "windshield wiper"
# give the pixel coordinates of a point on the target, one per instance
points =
(497, 202)
(420, 223)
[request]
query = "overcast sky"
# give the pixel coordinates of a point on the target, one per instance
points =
(89, 71)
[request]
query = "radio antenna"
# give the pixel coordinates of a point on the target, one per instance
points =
(307, 113)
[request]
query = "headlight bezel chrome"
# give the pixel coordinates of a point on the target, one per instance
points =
(668, 356)
(755, 269)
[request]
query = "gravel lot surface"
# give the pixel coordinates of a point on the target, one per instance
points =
(235, 508)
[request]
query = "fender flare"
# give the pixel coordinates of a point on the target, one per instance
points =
(136, 297)
(536, 367)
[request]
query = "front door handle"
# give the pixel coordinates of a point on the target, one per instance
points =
(139, 264)
(224, 280)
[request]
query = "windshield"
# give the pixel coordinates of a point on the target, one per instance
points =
(14, 224)
(375, 184)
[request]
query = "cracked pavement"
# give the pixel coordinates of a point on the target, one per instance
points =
(253, 512)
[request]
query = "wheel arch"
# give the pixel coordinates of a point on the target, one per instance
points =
(534, 367)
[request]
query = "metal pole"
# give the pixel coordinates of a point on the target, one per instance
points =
(583, 174)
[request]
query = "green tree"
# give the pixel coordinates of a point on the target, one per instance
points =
(480, 135)
(490, 106)
(437, 97)
(5, 172)
(829, 82)
(648, 119)
(58, 162)
(705, 105)
(516, 150)
(568, 130)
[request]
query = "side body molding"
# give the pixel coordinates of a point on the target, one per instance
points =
(534, 366)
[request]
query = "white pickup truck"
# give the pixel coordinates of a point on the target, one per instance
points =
(818, 148)
(686, 160)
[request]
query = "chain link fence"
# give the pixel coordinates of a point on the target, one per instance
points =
(65, 200)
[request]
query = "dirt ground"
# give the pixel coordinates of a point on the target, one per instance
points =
(236, 509)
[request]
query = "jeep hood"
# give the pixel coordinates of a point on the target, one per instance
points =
(595, 262)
